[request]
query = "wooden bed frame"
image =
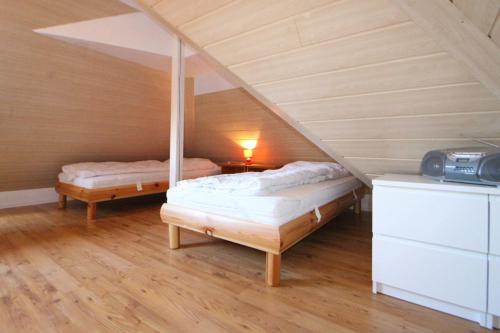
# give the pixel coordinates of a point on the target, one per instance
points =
(93, 196)
(273, 240)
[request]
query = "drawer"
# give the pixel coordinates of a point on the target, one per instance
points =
(453, 219)
(494, 286)
(449, 275)
(495, 224)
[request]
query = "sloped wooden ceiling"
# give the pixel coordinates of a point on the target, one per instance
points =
(485, 14)
(360, 78)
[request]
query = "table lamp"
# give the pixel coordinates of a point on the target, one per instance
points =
(248, 146)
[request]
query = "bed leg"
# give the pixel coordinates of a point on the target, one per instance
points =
(62, 201)
(174, 236)
(357, 207)
(91, 211)
(273, 269)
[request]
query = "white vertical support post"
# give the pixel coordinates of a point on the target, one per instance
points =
(177, 113)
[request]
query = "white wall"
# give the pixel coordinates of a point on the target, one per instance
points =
(27, 197)
(211, 82)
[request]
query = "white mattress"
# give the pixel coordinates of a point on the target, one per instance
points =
(135, 178)
(276, 209)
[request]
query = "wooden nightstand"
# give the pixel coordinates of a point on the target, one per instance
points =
(238, 167)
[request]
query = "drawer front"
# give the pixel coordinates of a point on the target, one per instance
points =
(458, 220)
(494, 286)
(495, 224)
(449, 275)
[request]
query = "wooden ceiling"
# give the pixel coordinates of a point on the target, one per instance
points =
(371, 82)
(484, 14)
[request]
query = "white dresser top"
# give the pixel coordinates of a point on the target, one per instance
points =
(420, 182)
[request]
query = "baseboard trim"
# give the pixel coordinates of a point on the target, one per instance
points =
(29, 197)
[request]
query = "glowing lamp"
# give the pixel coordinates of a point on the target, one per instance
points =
(248, 146)
(248, 153)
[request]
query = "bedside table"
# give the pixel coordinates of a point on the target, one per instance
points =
(238, 167)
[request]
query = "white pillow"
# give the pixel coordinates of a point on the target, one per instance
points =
(193, 164)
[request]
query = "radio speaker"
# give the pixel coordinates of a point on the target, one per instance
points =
(489, 170)
(433, 164)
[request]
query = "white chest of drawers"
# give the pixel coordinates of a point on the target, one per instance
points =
(438, 245)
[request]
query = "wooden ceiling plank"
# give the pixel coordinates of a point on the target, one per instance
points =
(459, 37)
(347, 17)
(471, 125)
(268, 41)
(413, 149)
(379, 45)
(437, 69)
(482, 13)
(495, 31)
(242, 16)
(469, 97)
(181, 12)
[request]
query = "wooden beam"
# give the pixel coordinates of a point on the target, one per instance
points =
(459, 37)
(177, 112)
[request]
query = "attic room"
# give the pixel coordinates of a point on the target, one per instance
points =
(250, 165)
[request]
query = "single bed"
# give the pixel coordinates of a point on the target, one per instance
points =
(95, 182)
(271, 222)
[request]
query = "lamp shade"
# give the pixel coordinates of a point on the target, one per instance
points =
(247, 153)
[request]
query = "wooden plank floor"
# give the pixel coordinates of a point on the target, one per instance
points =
(59, 274)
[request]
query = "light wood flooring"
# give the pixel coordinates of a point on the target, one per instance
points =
(60, 274)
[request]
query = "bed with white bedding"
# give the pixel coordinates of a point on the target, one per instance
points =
(94, 182)
(269, 211)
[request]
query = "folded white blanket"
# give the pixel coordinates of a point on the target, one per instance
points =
(94, 169)
(262, 183)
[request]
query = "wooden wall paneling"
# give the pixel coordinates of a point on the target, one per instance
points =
(388, 43)
(391, 148)
(469, 97)
(425, 71)
(151, 2)
(382, 166)
(62, 104)
(189, 117)
(224, 118)
(482, 13)
(485, 124)
(65, 12)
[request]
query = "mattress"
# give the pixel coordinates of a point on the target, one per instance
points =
(133, 178)
(276, 209)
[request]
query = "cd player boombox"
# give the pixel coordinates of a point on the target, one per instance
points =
(465, 165)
